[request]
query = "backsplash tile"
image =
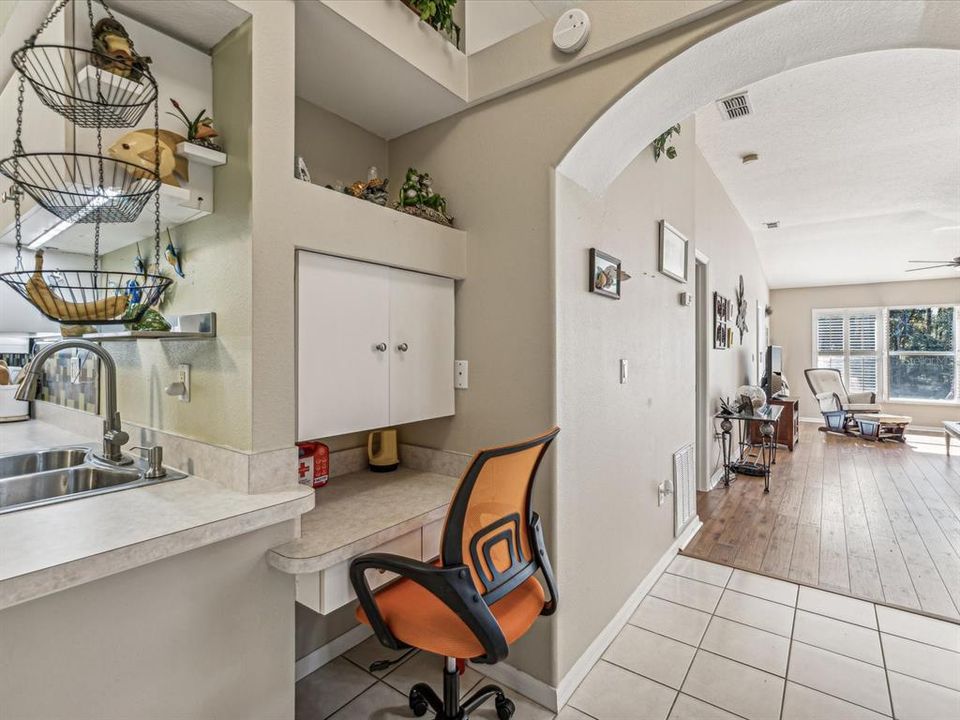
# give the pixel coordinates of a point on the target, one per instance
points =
(59, 386)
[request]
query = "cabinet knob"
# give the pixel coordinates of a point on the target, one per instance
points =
(382, 347)
(403, 347)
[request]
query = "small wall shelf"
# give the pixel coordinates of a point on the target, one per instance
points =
(202, 155)
(200, 326)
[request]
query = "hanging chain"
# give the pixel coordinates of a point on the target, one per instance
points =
(49, 19)
(100, 189)
(15, 190)
(156, 169)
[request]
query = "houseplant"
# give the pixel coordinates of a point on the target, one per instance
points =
(660, 146)
(438, 14)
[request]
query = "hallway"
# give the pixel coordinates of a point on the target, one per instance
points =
(876, 521)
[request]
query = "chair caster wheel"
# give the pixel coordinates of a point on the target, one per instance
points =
(418, 704)
(505, 708)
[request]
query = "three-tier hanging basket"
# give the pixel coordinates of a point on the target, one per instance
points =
(92, 90)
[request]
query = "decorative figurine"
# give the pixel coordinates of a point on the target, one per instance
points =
(111, 39)
(138, 147)
(373, 190)
(418, 198)
(173, 257)
(200, 130)
(139, 266)
(133, 290)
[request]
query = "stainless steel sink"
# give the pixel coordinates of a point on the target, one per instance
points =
(33, 462)
(53, 475)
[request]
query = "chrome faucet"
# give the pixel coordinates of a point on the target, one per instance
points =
(114, 437)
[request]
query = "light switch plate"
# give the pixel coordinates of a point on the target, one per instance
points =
(183, 376)
(461, 372)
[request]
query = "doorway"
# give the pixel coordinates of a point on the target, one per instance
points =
(703, 317)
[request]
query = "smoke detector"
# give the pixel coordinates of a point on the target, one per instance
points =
(735, 106)
(772, 225)
(571, 32)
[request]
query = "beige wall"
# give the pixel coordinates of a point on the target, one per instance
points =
(206, 634)
(217, 264)
(792, 327)
(336, 149)
(722, 235)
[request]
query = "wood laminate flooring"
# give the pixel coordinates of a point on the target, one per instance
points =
(879, 521)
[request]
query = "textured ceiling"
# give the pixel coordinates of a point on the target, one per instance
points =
(859, 162)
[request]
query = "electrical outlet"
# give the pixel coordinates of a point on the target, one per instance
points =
(461, 374)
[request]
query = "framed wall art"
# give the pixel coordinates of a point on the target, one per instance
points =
(674, 249)
(604, 274)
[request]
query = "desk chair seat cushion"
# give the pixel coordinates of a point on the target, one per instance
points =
(416, 617)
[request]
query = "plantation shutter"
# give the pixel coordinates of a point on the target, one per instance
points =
(862, 339)
(830, 341)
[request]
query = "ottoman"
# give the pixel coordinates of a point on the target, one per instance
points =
(880, 426)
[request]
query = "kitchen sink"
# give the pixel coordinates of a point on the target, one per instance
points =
(48, 476)
(41, 460)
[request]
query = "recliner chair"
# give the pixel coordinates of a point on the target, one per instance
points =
(838, 407)
(483, 593)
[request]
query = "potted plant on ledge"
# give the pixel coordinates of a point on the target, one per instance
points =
(438, 14)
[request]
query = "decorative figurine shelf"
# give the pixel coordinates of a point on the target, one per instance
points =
(199, 326)
(202, 155)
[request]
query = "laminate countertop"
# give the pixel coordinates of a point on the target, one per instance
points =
(360, 511)
(54, 547)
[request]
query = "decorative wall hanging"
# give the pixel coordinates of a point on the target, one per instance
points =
(108, 86)
(741, 310)
(722, 330)
(605, 274)
(673, 252)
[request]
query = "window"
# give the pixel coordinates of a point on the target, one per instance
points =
(902, 354)
(922, 350)
(847, 340)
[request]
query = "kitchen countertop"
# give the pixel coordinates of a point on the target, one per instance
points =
(54, 547)
(360, 511)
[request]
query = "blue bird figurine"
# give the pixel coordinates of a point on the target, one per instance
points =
(139, 266)
(133, 290)
(173, 257)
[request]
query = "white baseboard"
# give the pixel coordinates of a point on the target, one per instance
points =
(554, 698)
(332, 650)
(817, 420)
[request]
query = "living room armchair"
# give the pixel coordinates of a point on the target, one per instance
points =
(838, 407)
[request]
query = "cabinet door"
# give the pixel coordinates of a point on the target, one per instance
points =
(421, 348)
(342, 316)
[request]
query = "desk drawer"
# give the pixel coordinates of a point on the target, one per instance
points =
(329, 589)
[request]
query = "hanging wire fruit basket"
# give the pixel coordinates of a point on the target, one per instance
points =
(87, 87)
(107, 86)
(70, 185)
(74, 297)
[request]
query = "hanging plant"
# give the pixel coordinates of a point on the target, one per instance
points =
(660, 146)
(438, 14)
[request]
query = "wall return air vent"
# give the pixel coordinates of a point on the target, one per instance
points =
(735, 106)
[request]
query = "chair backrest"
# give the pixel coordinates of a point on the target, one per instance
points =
(488, 525)
(827, 380)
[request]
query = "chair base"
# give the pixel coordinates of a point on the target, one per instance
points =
(423, 698)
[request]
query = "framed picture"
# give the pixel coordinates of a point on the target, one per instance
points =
(302, 171)
(604, 274)
(673, 252)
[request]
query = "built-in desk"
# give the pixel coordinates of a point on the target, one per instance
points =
(401, 512)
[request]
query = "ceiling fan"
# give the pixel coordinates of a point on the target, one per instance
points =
(931, 264)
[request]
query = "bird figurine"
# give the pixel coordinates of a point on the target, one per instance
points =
(139, 266)
(133, 290)
(173, 257)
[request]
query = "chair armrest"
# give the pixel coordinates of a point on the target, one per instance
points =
(453, 586)
(862, 398)
(540, 548)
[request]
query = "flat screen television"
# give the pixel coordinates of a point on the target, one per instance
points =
(773, 375)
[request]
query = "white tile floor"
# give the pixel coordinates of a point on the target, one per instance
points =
(709, 643)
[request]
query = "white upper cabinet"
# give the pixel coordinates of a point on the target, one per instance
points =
(374, 348)
(421, 335)
(343, 346)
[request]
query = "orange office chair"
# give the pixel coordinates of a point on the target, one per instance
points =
(482, 594)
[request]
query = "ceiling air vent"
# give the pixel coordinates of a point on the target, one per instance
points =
(735, 106)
